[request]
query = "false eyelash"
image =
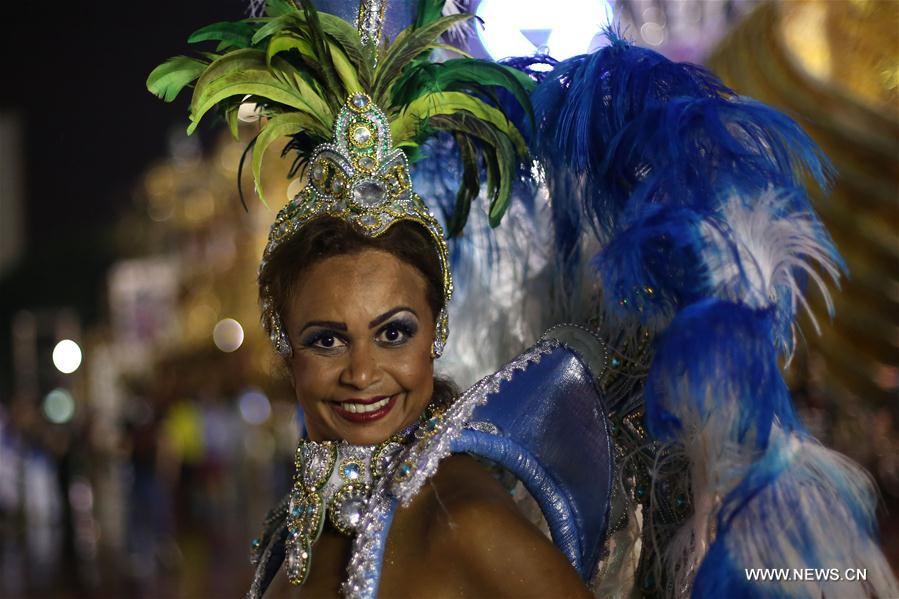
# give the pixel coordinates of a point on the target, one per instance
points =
(317, 336)
(407, 327)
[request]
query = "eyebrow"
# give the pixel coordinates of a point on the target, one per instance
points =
(325, 324)
(383, 317)
(340, 326)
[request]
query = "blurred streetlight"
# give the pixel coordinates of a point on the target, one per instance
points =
(59, 406)
(227, 335)
(254, 406)
(67, 356)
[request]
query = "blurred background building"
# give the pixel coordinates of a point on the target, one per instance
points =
(144, 425)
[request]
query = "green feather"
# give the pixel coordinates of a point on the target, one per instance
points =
(168, 79)
(409, 45)
(231, 35)
(319, 44)
(285, 41)
(276, 8)
(348, 75)
(278, 126)
(470, 186)
(245, 72)
(500, 159)
(428, 12)
(347, 38)
(231, 118)
(270, 27)
(460, 74)
(417, 113)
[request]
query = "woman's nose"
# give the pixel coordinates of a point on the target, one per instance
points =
(362, 369)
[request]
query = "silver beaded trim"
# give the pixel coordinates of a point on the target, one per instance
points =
(419, 462)
(370, 21)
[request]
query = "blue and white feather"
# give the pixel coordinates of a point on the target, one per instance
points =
(707, 240)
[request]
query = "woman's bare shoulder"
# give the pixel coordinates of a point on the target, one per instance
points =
(472, 521)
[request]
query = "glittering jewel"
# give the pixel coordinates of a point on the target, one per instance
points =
(359, 101)
(367, 163)
(362, 136)
(351, 470)
(369, 193)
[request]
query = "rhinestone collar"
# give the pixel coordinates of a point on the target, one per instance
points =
(334, 480)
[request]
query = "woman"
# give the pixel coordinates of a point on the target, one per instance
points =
(657, 443)
(361, 313)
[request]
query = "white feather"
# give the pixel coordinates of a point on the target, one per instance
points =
(460, 31)
(499, 306)
(755, 250)
(812, 495)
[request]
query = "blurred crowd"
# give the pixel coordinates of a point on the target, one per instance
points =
(164, 508)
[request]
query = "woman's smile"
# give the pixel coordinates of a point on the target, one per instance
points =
(363, 331)
(364, 410)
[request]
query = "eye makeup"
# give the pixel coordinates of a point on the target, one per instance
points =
(323, 339)
(397, 331)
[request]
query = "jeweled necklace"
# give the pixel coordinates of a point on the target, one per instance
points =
(334, 480)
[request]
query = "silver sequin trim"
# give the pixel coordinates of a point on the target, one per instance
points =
(370, 21)
(484, 427)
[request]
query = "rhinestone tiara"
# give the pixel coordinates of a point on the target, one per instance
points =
(358, 177)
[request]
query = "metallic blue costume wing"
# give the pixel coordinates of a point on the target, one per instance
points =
(541, 417)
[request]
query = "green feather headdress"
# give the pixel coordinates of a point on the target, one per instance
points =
(356, 111)
(299, 66)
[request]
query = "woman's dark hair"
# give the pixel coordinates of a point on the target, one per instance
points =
(327, 236)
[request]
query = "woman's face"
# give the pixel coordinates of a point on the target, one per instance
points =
(361, 330)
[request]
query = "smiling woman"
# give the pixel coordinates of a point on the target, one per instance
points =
(360, 316)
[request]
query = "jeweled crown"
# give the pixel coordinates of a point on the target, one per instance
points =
(306, 72)
(358, 177)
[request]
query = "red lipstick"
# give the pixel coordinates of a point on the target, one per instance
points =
(364, 417)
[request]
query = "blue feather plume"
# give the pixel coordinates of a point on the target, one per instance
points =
(641, 129)
(707, 240)
(800, 506)
(715, 365)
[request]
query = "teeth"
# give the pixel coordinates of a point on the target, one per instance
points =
(359, 408)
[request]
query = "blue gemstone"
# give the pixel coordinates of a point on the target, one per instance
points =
(351, 471)
(616, 362)
(404, 470)
(297, 511)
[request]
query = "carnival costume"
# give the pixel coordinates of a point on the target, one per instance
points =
(656, 436)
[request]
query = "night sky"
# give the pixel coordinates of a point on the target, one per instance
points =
(75, 73)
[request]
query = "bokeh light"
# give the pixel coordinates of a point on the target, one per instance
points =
(254, 406)
(67, 356)
(562, 28)
(59, 406)
(227, 335)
